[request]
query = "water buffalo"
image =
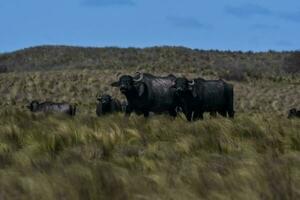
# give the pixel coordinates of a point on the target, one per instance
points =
(294, 113)
(147, 93)
(106, 104)
(66, 108)
(199, 96)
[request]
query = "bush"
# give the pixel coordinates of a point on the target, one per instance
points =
(3, 69)
(234, 74)
(292, 63)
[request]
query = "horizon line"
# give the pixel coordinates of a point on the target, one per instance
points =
(146, 47)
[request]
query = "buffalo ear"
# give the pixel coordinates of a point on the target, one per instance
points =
(173, 85)
(141, 89)
(115, 84)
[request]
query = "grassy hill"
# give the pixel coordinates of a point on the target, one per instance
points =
(48, 156)
(155, 58)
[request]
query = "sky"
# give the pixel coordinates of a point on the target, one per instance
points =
(246, 25)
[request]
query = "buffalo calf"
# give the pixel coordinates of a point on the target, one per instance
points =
(106, 104)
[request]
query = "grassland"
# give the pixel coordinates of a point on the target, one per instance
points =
(44, 156)
(54, 157)
(276, 95)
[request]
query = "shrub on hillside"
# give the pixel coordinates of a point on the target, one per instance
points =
(234, 74)
(292, 63)
(3, 69)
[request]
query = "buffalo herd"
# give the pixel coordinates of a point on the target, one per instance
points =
(146, 93)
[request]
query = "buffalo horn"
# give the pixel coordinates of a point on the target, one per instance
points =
(140, 78)
(192, 83)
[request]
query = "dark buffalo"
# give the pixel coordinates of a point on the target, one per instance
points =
(147, 93)
(294, 113)
(198, 96)
(106, 104)
(66, 108)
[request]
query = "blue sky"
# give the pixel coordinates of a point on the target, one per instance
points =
(215, 24)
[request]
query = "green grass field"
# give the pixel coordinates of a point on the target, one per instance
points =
(53, 156)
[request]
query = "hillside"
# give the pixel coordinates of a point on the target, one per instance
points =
(225, 63)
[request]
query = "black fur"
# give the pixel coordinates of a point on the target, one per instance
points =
(106, 104)
(146, 93)
(199, 96)
(294, 113)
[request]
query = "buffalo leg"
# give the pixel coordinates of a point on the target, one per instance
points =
(223, 113)
(146, 114)
(230, 106)
(72, 110)
(197, 115)
(213, 114)
(173, 112)
(187, 112)
(230, 110)
(128, 111)
(231, 114)
(188, 116)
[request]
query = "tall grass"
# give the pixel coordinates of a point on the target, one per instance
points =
(82, 86)
(44, 156)
(54, 157)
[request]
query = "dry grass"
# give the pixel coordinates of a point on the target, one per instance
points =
(81, 87)
(54, 157)
(254, 156)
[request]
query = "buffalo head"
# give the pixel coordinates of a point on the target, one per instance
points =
(33, 106)
(129, 84)
(105, 99)
(182, 86)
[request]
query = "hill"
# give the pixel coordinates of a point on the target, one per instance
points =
(227, 63)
